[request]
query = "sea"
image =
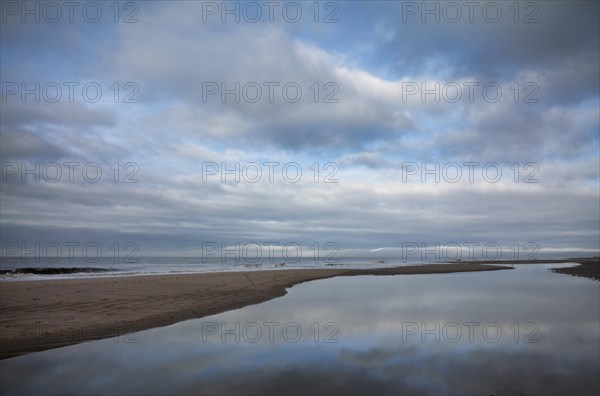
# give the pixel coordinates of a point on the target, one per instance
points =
(32, 268)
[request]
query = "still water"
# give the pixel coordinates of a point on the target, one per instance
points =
(522, 331)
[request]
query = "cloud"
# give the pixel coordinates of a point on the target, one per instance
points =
(477, 46)
(370, 132)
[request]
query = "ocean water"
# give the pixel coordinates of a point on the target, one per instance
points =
(514, 332)
(16, 269)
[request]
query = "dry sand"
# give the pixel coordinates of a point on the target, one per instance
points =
(39, 315)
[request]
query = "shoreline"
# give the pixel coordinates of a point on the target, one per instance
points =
(47, 314)
(587, 267)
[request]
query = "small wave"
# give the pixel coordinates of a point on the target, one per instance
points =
(54, 270)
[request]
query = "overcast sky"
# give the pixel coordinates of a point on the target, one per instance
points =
(367, 93)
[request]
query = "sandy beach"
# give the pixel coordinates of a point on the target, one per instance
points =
(40, 315)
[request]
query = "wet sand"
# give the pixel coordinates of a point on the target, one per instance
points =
(587, 268)
(40, 315)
